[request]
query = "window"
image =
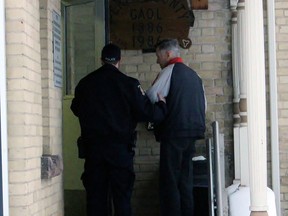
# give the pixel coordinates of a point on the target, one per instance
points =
(84, 37)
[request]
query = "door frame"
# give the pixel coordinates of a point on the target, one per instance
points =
(4, 184)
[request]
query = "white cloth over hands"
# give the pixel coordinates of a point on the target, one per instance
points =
(161, 84)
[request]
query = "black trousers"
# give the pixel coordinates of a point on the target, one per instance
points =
(176, 177)
(103, 176)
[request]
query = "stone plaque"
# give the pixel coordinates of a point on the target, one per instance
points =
(199, 4)
(135, 25)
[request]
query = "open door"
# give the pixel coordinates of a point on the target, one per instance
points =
(84, 37)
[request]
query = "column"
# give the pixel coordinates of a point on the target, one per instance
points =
(236, 88)
(242, 68)
(256, 103)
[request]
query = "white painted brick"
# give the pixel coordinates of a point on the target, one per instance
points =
(22, 200)
(19, 189)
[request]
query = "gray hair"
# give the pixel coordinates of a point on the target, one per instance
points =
(169, 45)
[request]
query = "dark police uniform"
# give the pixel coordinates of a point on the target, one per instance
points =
(109, 104)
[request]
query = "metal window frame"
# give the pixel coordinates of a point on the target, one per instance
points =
(103, 12)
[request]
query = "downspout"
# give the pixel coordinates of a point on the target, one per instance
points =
(3, 115)
(273, 103)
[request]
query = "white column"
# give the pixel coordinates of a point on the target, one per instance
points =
(256, 104)
(242, 69)
(236, 99)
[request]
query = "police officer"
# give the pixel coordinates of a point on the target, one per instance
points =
(109, 104)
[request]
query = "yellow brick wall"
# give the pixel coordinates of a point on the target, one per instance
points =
(281, 18)
(34, 109)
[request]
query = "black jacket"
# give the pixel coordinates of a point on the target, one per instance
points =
(186, 106)
(109, 104)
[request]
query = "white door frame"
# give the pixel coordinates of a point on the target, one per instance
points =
(4, 194)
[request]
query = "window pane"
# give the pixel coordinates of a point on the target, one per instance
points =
(84, 38)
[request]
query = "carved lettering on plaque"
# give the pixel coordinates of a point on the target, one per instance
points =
(135, 25)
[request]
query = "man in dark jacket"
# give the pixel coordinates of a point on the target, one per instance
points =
(109, 104)
(184, 124)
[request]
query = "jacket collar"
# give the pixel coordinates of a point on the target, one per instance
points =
(175, 60)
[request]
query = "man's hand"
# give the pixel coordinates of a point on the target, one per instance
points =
(161, 98)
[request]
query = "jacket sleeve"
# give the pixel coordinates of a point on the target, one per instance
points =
(144, 109)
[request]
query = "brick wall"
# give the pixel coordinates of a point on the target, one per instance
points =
(282, 70)
(34, 104)
(210, 56)
(28, 127)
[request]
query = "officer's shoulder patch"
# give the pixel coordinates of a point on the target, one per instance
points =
(142, 91)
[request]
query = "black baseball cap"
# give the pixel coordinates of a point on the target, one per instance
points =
(111, 53)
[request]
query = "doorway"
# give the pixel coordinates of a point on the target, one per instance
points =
(84, 36)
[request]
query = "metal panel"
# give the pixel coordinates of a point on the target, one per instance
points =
(215, 153)
(210, 175)
(218, 168)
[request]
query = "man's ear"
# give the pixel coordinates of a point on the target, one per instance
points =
(117, 64)
(169, 53)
